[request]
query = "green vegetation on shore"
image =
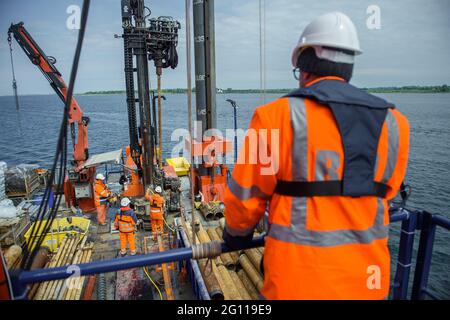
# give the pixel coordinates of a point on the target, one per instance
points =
(406, 89)
(412, 89)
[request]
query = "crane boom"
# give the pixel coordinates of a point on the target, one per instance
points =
(78, 184)
(46, 65)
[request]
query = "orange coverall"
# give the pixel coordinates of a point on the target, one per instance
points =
(101, 193)
(125, 222)
(156, 212)
(318, 247)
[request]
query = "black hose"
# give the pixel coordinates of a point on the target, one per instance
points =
(60, 158)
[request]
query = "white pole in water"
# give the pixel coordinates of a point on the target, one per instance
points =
(189, 102)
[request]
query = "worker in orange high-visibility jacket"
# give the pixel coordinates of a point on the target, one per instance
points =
(156, 210)
(335, 156)
(126, 222)
(101, 194)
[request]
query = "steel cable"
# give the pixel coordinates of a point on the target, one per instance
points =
(39, 230)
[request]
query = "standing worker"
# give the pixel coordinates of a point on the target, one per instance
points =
(156, 210)
(337, 155)
(102, 193)
(126, 222)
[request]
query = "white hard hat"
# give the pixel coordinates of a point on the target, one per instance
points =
(125, 202)
(158, 189)
(332, 30)
(100, 176)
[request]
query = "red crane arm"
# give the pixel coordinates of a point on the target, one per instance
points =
(47, 66)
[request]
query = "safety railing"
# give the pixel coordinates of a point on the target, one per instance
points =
(411, 221)
(405, 250)
(429, 224)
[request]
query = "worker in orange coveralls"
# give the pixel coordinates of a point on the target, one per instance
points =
(126, 222)
(156, 210)
(337, 156)
(101, 194)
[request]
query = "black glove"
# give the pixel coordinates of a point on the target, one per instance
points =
(236, 242)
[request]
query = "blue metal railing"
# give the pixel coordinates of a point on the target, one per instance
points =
(412, 220)
(22, 278)
(405, 250)
(429, 223)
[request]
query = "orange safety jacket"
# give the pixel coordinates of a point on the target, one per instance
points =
(156, 205)
(101, 193)
(125, 220)
(328, 222)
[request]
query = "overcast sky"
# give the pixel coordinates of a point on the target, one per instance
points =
(412, 47)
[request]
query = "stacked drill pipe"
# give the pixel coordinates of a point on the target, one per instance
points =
(222, 273)
(72, 250)
(211, 281)
(75, 287)
(234, 254)
(248, 285)
(249, 264)
(226, 258)
(233, 287)
(211, 210)
(41, 260)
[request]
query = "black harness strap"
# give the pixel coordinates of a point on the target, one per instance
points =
(359, 117)
(322, 189)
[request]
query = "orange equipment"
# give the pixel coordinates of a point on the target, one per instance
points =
(125, 222)
(318, 247)
(79, 177)
(101, 194)
(156, 212)
(134, 188)
(206, 178)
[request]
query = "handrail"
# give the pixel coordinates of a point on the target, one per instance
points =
(22, 278)
(411, 220)
(405, 250)
(425, 252)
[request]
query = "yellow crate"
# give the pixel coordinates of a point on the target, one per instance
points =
(180, 164)
(58, 230)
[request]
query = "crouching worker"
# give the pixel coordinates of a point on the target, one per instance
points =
(125, 222)
(156, 210)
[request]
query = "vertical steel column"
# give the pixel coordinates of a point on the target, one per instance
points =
(129, 77)
(404, 261)
(205, 71)
(210, 63)
(144, 98)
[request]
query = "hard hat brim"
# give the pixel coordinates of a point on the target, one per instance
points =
(299, 47)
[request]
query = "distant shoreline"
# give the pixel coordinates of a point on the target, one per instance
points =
(405, 89)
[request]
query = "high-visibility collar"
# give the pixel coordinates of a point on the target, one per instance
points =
(324, 78)
(360, 117)
(127, 208)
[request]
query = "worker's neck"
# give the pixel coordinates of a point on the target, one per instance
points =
(309, 79)
(306, 78)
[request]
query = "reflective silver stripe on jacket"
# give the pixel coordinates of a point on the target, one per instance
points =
(297, 232)
(393, 143)
(245, 193)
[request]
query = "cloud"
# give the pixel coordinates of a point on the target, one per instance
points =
(412, 46)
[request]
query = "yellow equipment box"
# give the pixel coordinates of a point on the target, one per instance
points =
(180, 164)
(58, 230)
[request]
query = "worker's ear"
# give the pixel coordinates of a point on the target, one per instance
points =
(304, 78)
